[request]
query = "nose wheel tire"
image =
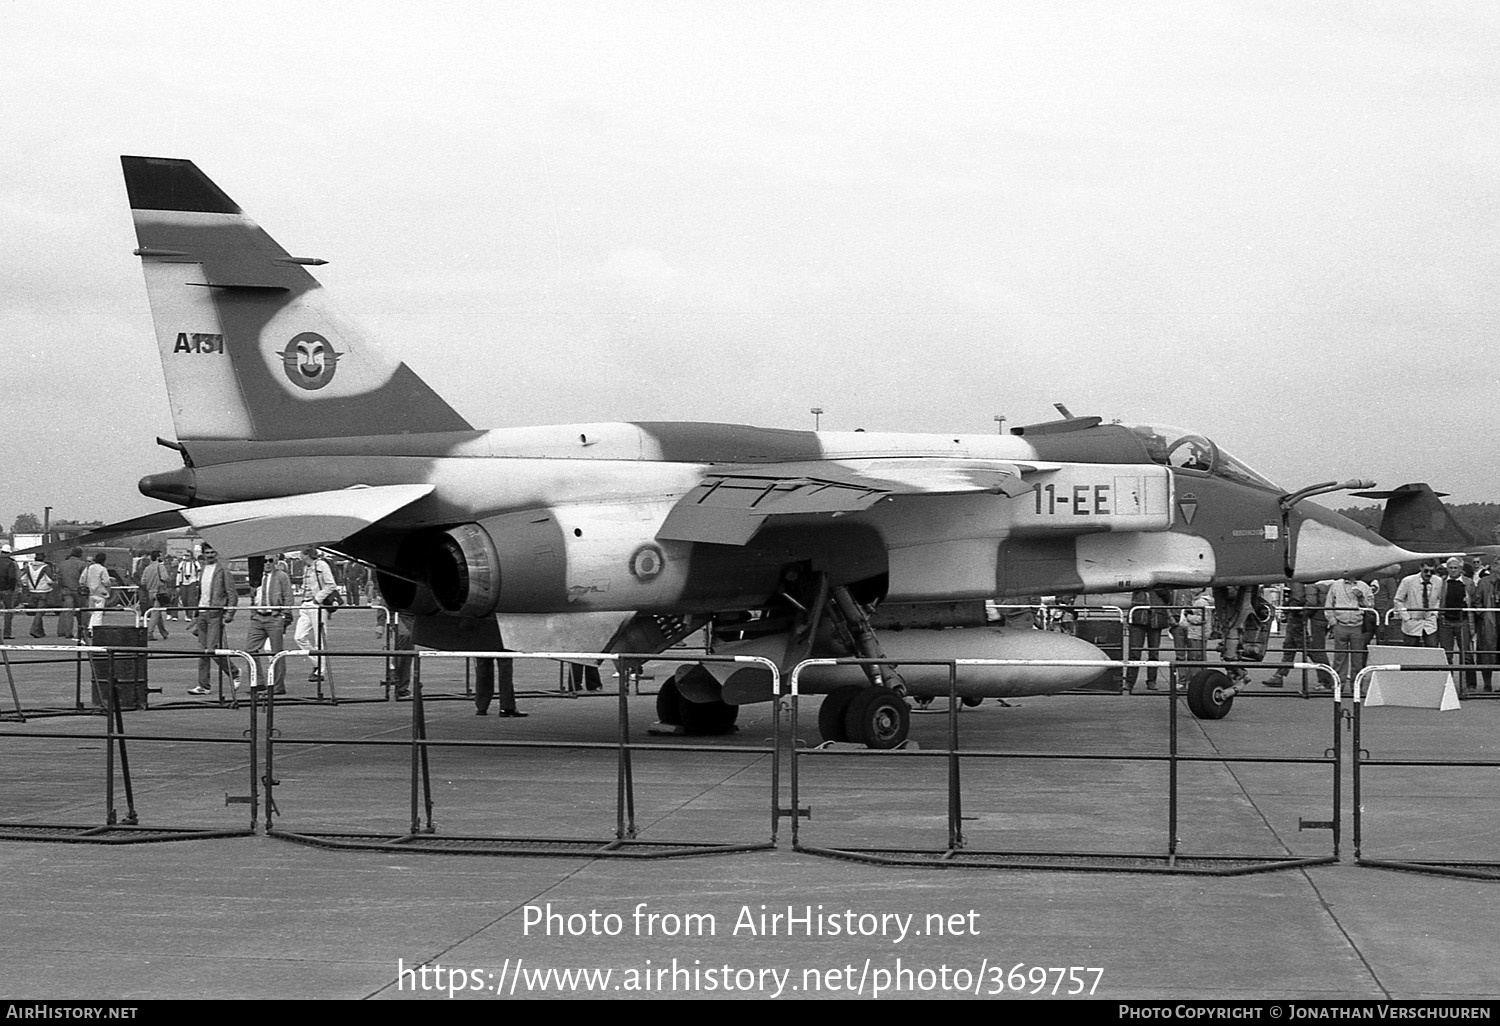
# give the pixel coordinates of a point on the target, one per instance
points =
(1210, 694)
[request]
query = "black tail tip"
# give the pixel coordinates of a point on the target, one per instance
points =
(167, 183)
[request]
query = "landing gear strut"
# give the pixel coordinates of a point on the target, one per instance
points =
(875, 715)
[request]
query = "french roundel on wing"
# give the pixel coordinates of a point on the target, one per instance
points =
(647, 563)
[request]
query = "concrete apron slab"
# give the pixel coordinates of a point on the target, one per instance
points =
(254, 917)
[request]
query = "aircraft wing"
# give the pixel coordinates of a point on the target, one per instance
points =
(732, 502)
(297, 521)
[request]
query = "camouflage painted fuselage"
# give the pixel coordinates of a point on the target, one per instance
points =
(576, 513)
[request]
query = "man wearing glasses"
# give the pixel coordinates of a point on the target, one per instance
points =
(1417, 600)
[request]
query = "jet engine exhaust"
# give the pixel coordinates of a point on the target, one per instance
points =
(463, 571)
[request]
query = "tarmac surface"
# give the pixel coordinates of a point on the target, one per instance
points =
(257, 916)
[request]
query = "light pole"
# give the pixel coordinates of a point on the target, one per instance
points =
(1000, 423)
(817, 412)
(46, 525)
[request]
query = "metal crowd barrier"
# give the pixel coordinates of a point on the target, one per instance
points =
(77, 655)
(320, 627)
(124, 826)
(116, 829)
(1471, 868)
(79, 616)
(1469, 654)
(423, 835)
(956, 851)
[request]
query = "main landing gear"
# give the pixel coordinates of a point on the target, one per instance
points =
(874, 716)
(821, 620)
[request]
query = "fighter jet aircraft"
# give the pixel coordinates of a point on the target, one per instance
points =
(296, 429)
(1416, 518)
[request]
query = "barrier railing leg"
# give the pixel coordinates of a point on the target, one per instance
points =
(11, 677)
(955, 792)
(325, 667)
(416, 704)
(776, 741)
(1338, 765)
(419, 764)
(791, 746)
(270, 777)
(109, 746)
(255, 752)
(119, 717)
(387, 642)
(1356, 767)
(624, 776)
(1172, 773)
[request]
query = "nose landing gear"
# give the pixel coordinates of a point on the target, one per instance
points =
(1210, 693)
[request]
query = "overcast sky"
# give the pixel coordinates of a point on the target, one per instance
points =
(1273, 222)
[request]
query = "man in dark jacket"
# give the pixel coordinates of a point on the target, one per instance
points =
(218, 595)
(151, 596)
(10, 587)
(270, 613)
(68, 594)
(1149, 616)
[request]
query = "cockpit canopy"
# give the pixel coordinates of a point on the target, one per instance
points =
(1189, 451)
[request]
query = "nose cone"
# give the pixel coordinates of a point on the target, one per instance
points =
(1329, 545)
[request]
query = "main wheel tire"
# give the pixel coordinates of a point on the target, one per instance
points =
(877, 718)
(704, 718)
(971, 701)
(831, 712)
(1206, 697)
(669, 704)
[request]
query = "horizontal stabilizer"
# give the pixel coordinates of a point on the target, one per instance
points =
(163, 520)
(297, 521)
(1406, 489)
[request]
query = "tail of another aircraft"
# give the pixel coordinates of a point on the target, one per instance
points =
(1415, 518)
(249, 344)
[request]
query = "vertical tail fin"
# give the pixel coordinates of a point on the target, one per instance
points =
(1415, 518)
(249, 344)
